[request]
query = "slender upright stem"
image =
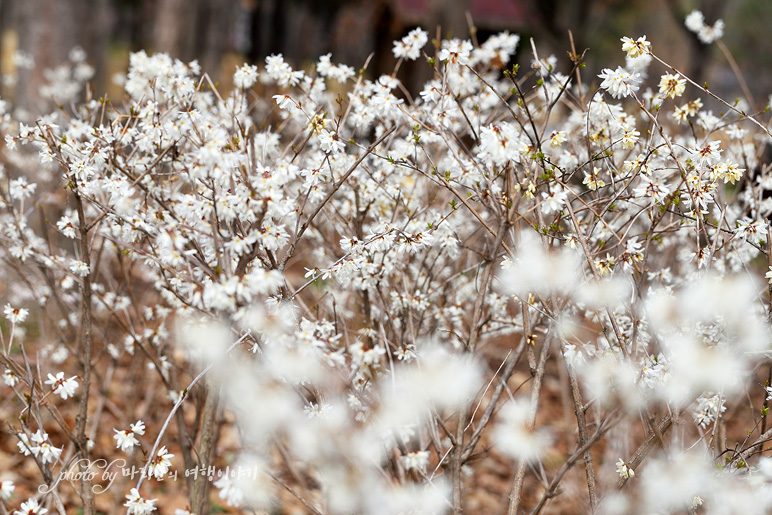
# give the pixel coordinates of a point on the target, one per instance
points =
(85, 354)
(206, 451)
(515, 497)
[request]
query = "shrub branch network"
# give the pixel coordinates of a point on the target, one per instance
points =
(369, 300)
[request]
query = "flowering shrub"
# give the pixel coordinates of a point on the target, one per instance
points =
(353, 303)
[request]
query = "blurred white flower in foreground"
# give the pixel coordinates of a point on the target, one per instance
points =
(534, 269)
(514, 436)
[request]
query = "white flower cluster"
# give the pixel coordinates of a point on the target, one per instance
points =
(63, 387)
(695, 22)
(39, 446)
(126, 440)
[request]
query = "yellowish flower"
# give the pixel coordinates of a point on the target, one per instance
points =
(672, 86)
(636, 48)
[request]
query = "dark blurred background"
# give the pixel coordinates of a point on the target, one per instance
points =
(224, 33)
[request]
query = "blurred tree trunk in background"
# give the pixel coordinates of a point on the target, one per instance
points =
(216, 32)
(557, 18)
(450, 15)
(46, 31)
(302, 30)
(174, 30)
(298, 29)
(7, 17)
(195, 29)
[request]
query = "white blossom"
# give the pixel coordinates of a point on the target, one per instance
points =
(410, 46)
(620, 83)
(65, 388)
(31, 507)
(15, 315)
(6, 489)
(245, 76)
(138, 505)
(79, 268)
(160, 464)
(232, 495)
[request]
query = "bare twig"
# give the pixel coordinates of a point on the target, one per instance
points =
(517, 487)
